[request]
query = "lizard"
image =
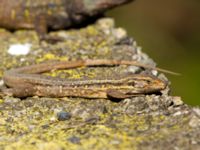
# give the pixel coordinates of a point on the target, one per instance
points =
(41, 15)
(59, 14)
(28, 81)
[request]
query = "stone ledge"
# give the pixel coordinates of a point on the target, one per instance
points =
(143, 122)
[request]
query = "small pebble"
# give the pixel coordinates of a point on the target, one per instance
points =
(197, 111)
(92, 120)
(177, 101)
(194, 122)
(154, 72)
(19, 49)
(62, 116)
(177, 113)
(1, 82)
(46, 126)
(74, 139)
(119, 33)
(106, 23)
(133, 69)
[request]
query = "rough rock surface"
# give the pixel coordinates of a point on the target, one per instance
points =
(143, 122)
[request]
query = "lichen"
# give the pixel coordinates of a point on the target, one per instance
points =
(139, 122)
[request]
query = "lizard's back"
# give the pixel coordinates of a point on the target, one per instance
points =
(27, 13)
(57, 14)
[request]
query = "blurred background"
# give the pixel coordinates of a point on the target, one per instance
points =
(169, 32)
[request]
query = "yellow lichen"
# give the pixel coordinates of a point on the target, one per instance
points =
(27, 13)
(1, 101)
(50, 56)
(91, 30)
(1, 73)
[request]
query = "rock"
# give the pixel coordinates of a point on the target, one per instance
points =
(177, 101)
(74, 140)
(62, 116)
(143, 122)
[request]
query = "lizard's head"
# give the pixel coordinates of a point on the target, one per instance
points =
(99, 6)
(82, 9)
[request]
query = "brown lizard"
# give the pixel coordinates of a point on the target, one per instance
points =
(55, 14)
(27, 81)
